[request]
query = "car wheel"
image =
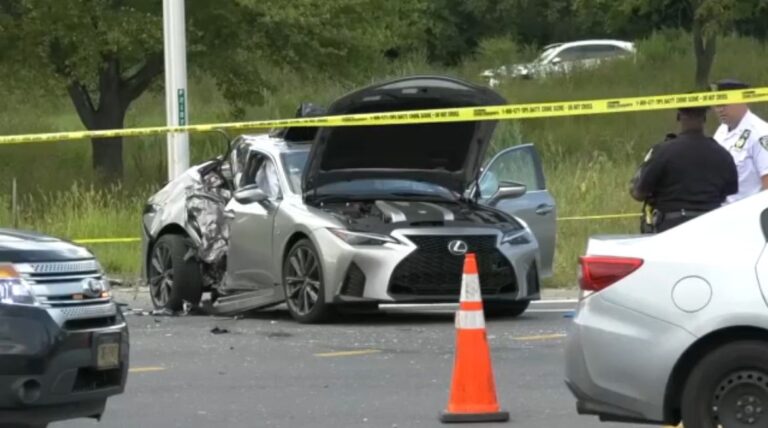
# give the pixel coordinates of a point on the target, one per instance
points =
(303, 284)
(173, 279)
(505, 309)
(728, 388)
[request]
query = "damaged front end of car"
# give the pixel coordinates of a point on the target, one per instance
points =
(192, 206)
(189, 212)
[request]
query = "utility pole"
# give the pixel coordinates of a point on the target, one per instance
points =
(174, 33)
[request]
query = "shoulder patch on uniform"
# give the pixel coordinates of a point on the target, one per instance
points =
(764, 141)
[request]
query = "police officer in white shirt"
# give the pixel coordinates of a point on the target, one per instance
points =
(745, 136)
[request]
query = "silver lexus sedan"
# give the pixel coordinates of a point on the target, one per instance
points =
(327, 217)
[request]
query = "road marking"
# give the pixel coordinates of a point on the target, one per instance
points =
(541, 337)
(146, 369)
(348, 353)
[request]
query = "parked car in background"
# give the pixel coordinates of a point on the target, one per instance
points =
(64, 346)
(358, 215)
(674, 327)
(563, 57)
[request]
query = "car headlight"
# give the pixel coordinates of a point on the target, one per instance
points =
(362, 238)
(515, 237)
(13, 289)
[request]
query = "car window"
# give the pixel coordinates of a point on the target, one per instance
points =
(604, 51)
(260, 170)
(547, 54)
(518, 166)
(572, 54)
(294, 164)
(238, 157)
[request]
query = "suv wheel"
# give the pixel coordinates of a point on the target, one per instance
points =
(505, 309)
(303, 284)
(173, 278)
(728, 388)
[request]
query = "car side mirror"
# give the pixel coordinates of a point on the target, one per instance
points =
(556, 60)
(508, 190)
(250, 194)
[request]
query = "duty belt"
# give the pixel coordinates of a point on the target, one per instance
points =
(683, 213)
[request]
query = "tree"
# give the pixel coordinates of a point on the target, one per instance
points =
(107, 53)
(456, 27)
(705, 19)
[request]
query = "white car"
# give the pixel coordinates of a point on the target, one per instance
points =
(674, 327)
(563, 57)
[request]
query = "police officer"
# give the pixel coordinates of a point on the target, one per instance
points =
(685, 176)
(745, 136)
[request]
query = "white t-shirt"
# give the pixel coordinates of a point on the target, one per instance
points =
(748, 144)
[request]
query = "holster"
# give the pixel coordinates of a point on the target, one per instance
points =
(650, 219)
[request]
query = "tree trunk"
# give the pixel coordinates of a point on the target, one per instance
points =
(704, 47)
(107, 155)
(108, 152)
(116, 93)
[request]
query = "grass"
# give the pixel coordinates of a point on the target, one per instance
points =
(588, 160)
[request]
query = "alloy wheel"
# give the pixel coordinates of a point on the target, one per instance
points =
(302, 281)
(161, 275)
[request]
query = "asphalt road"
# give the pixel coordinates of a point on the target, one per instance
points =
(388, 369)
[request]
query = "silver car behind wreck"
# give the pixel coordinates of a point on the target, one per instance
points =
(362, 215)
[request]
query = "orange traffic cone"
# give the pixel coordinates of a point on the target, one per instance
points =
(473, 392)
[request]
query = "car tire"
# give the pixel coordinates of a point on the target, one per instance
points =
(505, 309)
(173, 277)
(733, 379)
(304, 285)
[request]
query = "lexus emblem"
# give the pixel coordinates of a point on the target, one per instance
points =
(92, 287)
(458, 247)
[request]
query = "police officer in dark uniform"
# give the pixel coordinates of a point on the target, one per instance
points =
(685, 176)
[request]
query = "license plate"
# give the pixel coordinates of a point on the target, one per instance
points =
(108, 352)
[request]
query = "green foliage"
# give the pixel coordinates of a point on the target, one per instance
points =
(456, 28)
(236, 42)
(639, 18)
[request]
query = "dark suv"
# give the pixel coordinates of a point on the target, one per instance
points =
(63, 340)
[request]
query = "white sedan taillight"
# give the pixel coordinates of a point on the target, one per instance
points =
(600, 272)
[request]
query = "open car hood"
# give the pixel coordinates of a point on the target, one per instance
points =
(447, 154)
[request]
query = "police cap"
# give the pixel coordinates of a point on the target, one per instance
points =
(728, 84)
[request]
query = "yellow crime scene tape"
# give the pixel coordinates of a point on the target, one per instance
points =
(96, 241)
(461, 114)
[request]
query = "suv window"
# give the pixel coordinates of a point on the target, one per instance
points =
(605, 51)
(573, 54)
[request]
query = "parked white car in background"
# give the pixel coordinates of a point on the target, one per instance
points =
(674, 327)
(563, 57)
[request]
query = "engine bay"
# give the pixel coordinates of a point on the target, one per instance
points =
(382, 216)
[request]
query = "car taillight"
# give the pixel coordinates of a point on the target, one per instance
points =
(599, 272)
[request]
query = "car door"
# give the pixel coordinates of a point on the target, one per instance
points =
(249, 256)
(521, 164)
